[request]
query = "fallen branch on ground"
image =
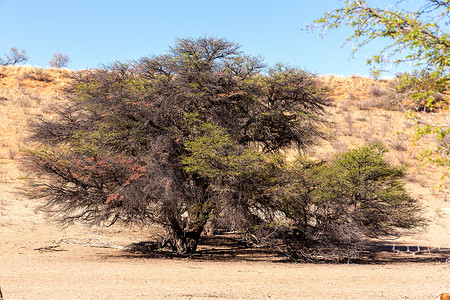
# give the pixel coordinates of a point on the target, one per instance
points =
(89, 242)
(49, 248)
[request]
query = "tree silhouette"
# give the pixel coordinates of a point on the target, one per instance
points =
(14, 56)
(59, 60)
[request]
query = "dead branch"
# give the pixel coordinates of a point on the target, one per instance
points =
(89, 242)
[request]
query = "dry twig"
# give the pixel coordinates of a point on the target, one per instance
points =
(90, 243)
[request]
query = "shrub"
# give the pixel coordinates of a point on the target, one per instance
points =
(377, 92)
(331, 207)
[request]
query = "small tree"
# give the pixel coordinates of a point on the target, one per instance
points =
(59, 60)
(15, 56)
(331, 207)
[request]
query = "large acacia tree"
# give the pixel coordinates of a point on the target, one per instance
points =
(176, 139)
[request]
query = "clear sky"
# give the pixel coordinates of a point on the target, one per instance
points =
(96, 32)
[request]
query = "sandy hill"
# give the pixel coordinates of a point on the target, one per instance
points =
(360, 114)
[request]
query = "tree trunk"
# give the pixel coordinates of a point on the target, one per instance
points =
(185, 243)
(210, 227)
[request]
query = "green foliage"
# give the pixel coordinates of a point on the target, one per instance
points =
(214, 154)
(363, 180)
(415, 34)
(331, 206)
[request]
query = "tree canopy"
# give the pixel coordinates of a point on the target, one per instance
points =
(414, 33)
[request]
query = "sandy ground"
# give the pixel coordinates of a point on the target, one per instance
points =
(41, 260)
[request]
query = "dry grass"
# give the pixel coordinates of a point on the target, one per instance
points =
(365, 112)
(352, 88)
(25, 92)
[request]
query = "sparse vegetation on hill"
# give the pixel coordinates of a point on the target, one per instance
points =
(59, 60)
(26, 92)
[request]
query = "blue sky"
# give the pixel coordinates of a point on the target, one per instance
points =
(96, 32)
